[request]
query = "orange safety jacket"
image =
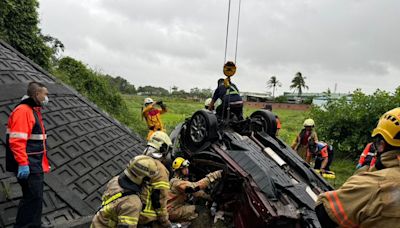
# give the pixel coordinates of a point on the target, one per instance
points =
(368, 156)
(26, 139)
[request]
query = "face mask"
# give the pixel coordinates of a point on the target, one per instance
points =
(46, 101)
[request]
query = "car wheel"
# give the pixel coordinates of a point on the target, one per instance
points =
(264, 121)
(202, 128)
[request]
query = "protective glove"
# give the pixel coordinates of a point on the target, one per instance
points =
(358, 166)
(23, 172)
(214, 176)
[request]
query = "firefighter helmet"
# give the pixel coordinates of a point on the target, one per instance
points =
(207, 102)
(147, 101)
(308, 123)
(389, 127)
(140, 167)
(180, 162)
(158, 144)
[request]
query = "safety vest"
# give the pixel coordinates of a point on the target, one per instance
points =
(368, 157)
(26, 139)
(232, 90)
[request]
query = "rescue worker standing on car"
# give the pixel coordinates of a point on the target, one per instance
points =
(306, 135)
(26, 153)
(152, 115)
(370, 198)
(178, 210)
(121, 204)
(154, 196)
(231, 100)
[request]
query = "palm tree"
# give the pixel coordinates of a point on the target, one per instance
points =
(298, 83)
(273, 83)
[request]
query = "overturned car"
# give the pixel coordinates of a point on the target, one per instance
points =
(265, 182)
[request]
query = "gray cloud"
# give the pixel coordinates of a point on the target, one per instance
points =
(349, 42)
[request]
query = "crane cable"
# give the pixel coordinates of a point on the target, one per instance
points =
(226, 49)
(227, 30)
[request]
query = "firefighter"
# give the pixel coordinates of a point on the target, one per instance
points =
(368, 156)
(154, 196)
(306, 135)
(230, 97)
(152, 115)
(323, 154)
(370, 198)
(178, 210)
(26, 153)
(121, 202)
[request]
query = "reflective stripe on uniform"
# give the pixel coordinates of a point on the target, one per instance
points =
(112, 198)
(232, 91)
(38, 137)
(18, 135)
(148, 209)
(160, 185)
(23, 135)
(128, 220)
(337, 209)
(236, 102)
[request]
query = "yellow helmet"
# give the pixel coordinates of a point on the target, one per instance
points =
(308, 123)
(389, 127)
(179, 162)
(158, 144)
(140, 167)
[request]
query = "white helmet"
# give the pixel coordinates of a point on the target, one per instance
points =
(158, 145)
(207, 102)
(148, 101)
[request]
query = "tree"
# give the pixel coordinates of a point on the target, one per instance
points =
(298, 83)
(174, 89)
(273, 83)
(19, 22)
(347, 122)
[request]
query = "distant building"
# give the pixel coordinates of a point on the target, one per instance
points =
(256, 97)
(317, 98)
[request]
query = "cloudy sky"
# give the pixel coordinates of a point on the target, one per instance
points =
(351, 43)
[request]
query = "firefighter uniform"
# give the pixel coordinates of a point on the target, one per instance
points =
(154, 198)
(178, 210)
(119, 207)
(26, 146)
(369, 199)
(153, 118)
(301, 142)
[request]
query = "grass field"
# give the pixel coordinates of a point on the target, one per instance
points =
(179, 110)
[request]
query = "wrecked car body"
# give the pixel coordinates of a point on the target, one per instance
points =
(265, 184)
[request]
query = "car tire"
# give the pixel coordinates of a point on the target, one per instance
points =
(264, 121)
(202, 128)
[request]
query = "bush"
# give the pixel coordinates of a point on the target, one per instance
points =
(347, 124)
(281, 99)
(94, 86)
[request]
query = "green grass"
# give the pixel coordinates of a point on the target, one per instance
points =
(343, 170)
(180, 109)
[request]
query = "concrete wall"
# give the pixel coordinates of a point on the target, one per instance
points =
(302, 107)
